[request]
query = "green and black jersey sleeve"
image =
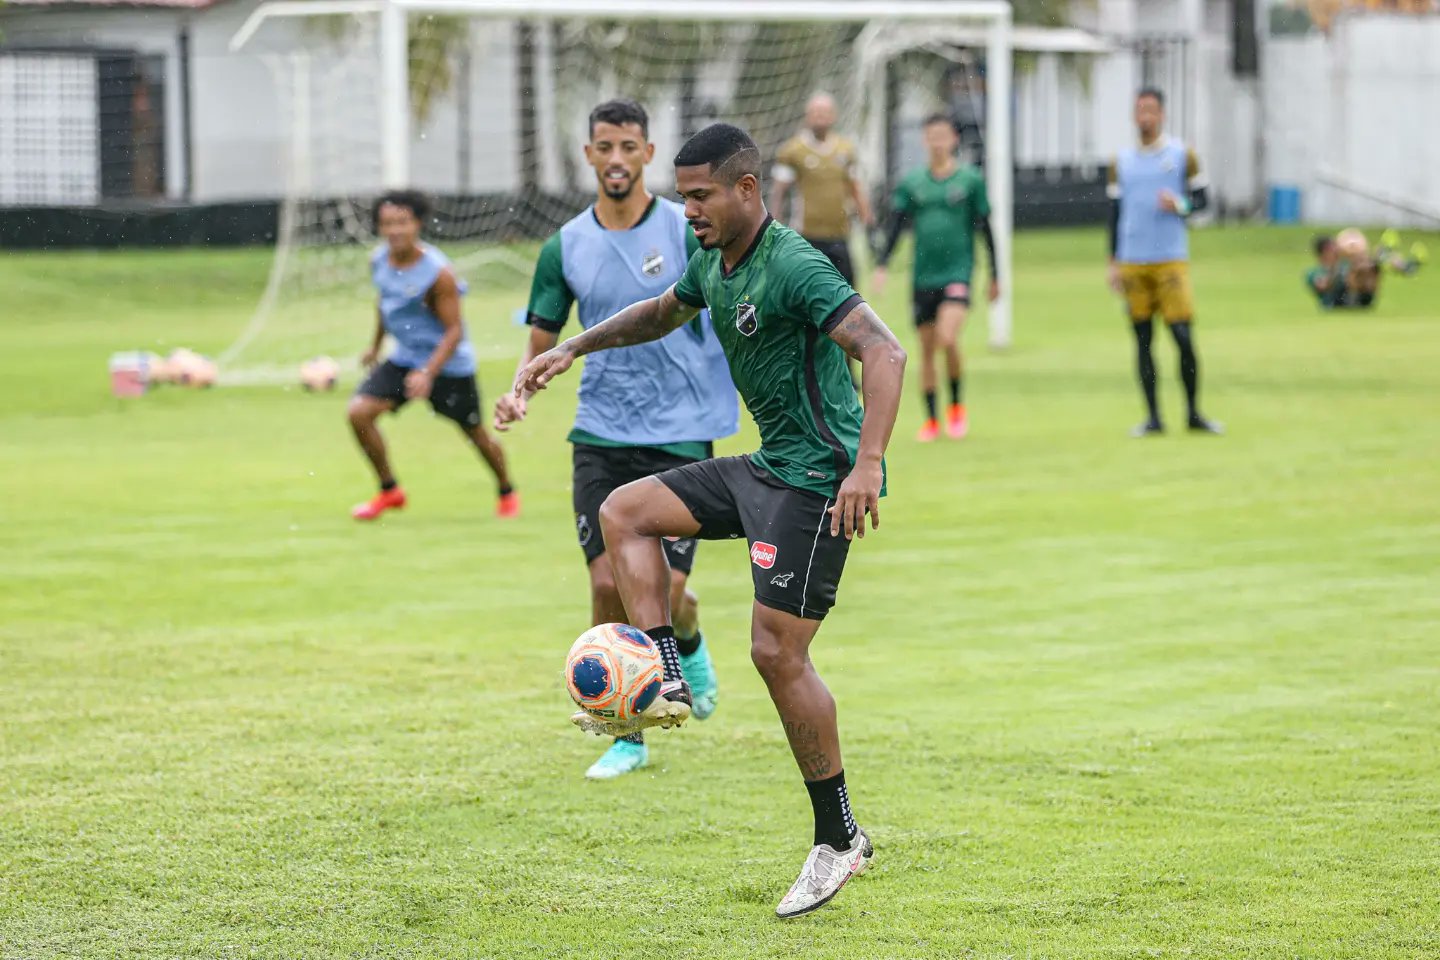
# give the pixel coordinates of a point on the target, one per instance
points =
(814, 292)
(689, 288)
(550, 296)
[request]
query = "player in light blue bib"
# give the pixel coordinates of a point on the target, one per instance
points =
(643, 409)
(1155, 185)
(419, 308)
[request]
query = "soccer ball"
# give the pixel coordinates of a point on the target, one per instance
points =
(613, 672)
(190, 369)
(1351, 243)
(319, 374)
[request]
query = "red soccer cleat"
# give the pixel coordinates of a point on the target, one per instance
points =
(957, 421)
(508, 506)
(929, 431)
(392, 499)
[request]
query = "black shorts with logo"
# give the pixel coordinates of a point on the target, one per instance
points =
(456, 398)
(795, 563)
(598, 471)
(838, 253)
(927, 302)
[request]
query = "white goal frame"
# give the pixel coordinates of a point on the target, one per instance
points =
(394, 69)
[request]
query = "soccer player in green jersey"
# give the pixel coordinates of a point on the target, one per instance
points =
(946, 202)
(786, 320)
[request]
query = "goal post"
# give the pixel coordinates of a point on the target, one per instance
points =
(386, 93)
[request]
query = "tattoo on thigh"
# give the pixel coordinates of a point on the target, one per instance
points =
(805, 744)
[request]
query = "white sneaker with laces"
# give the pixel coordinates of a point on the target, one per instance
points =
(670, 709)
(826, 870)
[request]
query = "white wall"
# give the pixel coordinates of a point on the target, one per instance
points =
(154, 32)
(1363, 105)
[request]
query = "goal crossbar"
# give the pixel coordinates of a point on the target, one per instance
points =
(394, 68)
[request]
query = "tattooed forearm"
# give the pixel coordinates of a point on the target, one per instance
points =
(805, 745)
(862, 330)
(638, 323)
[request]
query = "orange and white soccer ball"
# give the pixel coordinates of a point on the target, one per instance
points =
(319, 374)
(1351, 243)
(614, 672)
(190, 369)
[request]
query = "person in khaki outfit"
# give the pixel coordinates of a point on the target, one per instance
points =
(1155, 185)
(821, 164)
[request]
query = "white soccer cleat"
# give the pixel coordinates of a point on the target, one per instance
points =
(826, 870)
(670, 709)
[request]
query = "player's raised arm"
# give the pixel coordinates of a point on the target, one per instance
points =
(638, 323)
(864, 336)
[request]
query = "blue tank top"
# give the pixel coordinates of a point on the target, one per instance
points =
(675, 389)
(1148, 234)
(407, 318)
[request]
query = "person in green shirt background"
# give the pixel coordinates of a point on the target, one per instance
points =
(945, 202)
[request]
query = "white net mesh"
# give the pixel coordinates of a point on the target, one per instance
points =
(498, 122)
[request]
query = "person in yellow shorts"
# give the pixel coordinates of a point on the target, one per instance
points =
(1154, 186)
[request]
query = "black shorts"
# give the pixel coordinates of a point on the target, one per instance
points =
(456, 398)
(1347, 298)
(927, 302)
(795, 563)
(838, 253)
(598, 471)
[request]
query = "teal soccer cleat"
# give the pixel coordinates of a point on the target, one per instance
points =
(623, 757)
(699, 672)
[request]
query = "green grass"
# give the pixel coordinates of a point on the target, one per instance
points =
(1099, 697)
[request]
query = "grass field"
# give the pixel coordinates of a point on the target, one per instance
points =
(1100, 697)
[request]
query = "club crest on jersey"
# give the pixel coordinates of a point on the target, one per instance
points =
(955, 196)
(762, 554)
(652, 263)
(746, 320)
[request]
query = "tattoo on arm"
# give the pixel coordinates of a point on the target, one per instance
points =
(860, 330)
(805, 744)
(638, 323)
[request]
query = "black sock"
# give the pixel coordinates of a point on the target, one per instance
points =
(930, 404)
(834, 823)
(387, 485)
(633, 738)
(955, 393)
(506, 490)
(1145, 366)
(688, 645)
(664, 637)
(1189, 366)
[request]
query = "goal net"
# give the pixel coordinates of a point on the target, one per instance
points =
(486, 112)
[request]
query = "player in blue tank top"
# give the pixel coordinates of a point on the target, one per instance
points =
(643, 409)
(419, 308)
(1154, 187)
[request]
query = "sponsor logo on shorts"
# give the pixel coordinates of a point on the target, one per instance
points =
(652, 263)
(782, 580)
(763, 554)
(957, 290)
(583, 529)
(745, 319)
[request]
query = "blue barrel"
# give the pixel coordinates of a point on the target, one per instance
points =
(1284, 203)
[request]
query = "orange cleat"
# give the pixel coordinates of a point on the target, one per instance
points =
(508, 506)
(392, 499)
(957, 421)
(929, 431)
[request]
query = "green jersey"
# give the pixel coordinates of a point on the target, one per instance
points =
(944, 214)
(1334, 294)
(772, 314)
